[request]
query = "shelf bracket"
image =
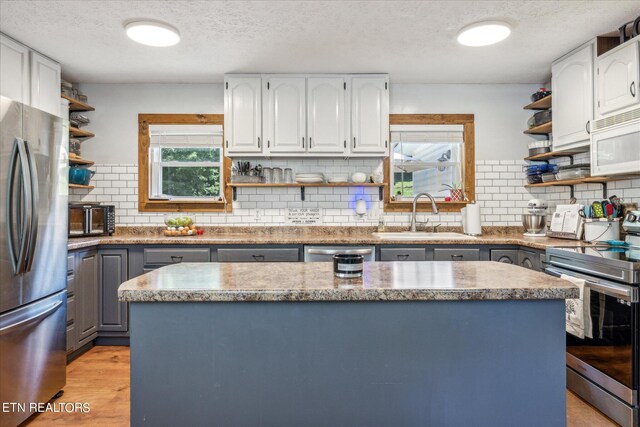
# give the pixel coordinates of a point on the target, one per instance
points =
(302, 193)
(234, 191)
(605, 193)
(381, 192)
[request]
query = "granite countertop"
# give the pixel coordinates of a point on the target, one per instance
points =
(314, 281)
(319, 236)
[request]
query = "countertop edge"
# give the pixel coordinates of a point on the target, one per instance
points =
(345, 295)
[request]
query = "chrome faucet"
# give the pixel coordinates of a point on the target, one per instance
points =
(434, 209)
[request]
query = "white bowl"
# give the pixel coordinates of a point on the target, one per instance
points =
(359, 177)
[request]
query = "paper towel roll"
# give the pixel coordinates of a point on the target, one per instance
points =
(471, 220)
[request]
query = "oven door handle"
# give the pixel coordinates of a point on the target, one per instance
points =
(627, 293)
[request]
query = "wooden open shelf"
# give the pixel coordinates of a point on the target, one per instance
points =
(82, 162)
(75, 105)
(80, 133)
(544, 129)
(235, 185)
(299, 184)
(86, 187)
(589, 180)
(541, 104)
(552, 155)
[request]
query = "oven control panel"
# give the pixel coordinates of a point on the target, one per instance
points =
(632, 222)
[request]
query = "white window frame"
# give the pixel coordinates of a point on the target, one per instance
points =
(159, 135)
(407, 130)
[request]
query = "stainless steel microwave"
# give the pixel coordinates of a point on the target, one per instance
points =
(91, 220)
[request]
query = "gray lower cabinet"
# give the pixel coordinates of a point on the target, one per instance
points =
(86, 296)
(402, 254)
(455, 254)
(530, 259)
(508, 256)
(258, 254)
(113, 271)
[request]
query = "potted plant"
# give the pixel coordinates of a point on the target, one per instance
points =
(456, 191)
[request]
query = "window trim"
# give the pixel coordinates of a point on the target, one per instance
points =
(144, 144)
(467, 121)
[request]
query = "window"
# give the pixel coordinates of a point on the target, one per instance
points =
(427, 159)
(430, 153)
(181, 163)
(186, 162)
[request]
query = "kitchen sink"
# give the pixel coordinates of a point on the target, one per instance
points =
(421, 235)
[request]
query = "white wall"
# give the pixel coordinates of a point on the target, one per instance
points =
(499, 117)
(115, 121)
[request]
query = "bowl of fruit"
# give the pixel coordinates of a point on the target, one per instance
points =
(179, 225)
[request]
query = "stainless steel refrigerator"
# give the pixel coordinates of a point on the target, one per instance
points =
(33, 251)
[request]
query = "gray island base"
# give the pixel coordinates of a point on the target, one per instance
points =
(409, 344)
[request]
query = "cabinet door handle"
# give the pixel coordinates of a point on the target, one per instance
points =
(176, 259)
(345, 143)
(587, 127)
(258, 257)
(354, 142)
(258, 142)
(310, 142)
(386, 144)
(227, 143)
(303, 142)
(632, 89)
(403, 257)
(268, 143)
(456, 257)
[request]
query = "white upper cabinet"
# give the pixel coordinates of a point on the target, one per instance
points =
(369, 115)
(572, 104)
(14, 70)
(321, 115)
(45, 84)
(243, 115)
(618, 72)
(326, 119)
(285, 122)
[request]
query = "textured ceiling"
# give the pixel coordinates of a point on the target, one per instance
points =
(414, 41)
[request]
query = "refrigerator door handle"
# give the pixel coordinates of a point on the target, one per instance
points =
(18, 154)
(31, 320)
(33, 201)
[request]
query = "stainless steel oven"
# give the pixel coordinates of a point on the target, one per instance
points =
(91, 220)
(605, 369)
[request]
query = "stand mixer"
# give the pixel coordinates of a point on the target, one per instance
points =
(535, 222)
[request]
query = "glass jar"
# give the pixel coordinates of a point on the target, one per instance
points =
(267, 175)
(277, 175)
(288, 176)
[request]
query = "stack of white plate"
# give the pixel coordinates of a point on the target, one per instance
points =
(309, 178)
(339, 178)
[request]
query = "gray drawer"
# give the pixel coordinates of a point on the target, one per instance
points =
(508, 256)
(259, 255)
(158, 256)
(71, 310)
(530, 260)
(456, 254)
(71, 284)
(70, 263)
(403, 254)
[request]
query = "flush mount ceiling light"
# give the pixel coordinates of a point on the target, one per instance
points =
(484, 33)
(152, 33)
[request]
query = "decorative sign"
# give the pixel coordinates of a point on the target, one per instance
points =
(635, 30)
(304, 216)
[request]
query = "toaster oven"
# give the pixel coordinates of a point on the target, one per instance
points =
(91, 220)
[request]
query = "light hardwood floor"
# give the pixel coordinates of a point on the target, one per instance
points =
(101, 377)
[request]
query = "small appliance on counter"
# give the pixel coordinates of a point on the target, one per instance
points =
(535, 221)
(471, 219)
(89, 219)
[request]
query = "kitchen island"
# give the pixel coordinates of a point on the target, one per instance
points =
(287, 344)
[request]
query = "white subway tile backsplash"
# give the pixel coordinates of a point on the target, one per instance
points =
(500, 191)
